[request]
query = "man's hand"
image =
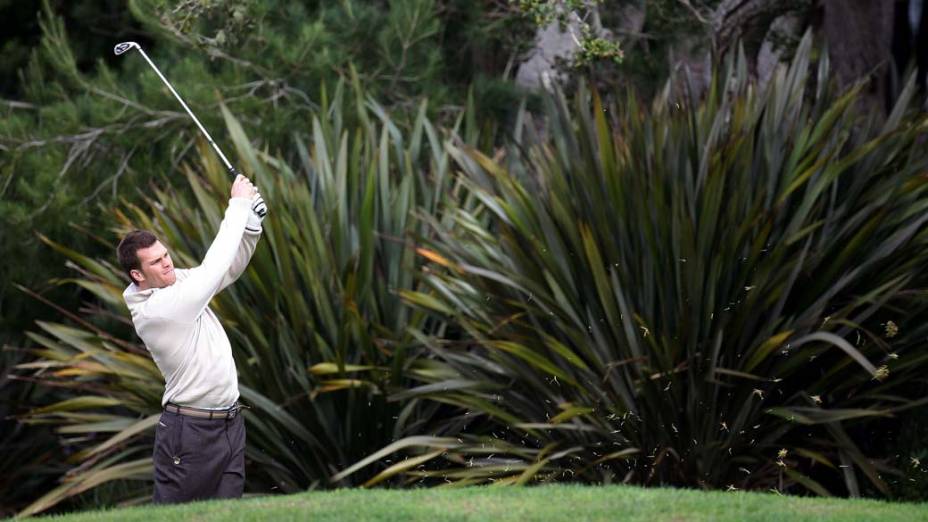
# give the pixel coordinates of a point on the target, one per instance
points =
(243, 188)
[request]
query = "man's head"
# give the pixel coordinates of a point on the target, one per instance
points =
(145, 260)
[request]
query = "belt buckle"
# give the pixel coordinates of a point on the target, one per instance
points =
(232, 413)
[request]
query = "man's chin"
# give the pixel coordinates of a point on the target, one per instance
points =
(168, 280)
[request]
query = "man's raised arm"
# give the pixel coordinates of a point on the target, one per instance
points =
(248, 243)
(186, 299)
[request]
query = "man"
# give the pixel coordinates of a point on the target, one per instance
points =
(200, 439)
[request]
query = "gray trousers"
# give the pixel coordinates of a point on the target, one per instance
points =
(198, 458)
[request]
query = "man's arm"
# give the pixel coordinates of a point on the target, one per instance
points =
(246, 247)
(185, 300)
(249, 241)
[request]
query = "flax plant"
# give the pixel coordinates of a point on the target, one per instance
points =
(318, 328)
(695, 292)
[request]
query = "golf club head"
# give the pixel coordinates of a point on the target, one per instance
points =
(123, 47)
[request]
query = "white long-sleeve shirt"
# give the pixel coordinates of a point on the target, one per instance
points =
(183, 334)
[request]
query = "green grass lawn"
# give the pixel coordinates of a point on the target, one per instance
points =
(569, 503)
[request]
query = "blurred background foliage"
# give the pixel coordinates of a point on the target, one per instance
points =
(425, 97)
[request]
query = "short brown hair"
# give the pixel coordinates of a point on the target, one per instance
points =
(128, 250)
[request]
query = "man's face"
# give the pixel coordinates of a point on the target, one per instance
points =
(157, 269)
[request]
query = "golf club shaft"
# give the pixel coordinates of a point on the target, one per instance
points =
(195, 120)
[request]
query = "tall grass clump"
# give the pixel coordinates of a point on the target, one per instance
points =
(726, 292)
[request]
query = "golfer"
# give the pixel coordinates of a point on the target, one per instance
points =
(200, 439)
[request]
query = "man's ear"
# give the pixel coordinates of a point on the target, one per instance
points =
(137, 276)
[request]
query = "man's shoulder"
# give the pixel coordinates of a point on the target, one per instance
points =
(161, 303)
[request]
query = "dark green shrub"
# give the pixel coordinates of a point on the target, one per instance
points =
(718, 293)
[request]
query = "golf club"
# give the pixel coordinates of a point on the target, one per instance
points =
(123, 47)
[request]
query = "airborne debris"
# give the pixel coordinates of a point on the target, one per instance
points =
(881, 373)
(891, 329)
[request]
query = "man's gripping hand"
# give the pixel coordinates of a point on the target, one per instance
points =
(243, 188)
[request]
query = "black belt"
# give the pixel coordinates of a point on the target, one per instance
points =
(204, 414)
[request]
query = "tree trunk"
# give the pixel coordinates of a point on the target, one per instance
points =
(735, 20)
(859, 36)
(787, 27)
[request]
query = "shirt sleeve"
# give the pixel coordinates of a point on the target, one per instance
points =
(246, 249)
(185, 300)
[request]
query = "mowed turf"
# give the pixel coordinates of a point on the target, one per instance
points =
(548, 503)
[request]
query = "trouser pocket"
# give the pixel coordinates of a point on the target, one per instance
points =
(168, 459)
(169, 439)
(177, 443)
